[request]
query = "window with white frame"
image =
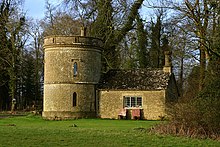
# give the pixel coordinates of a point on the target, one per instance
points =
(132, 101)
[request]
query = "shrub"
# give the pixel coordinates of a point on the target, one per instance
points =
(198, 117)
(189, 120)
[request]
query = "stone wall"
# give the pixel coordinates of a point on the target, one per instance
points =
(60, 80)
(72, 40)
(59, 98)
(59, 60)
(111, 103)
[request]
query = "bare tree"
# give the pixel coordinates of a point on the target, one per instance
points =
(12, 41)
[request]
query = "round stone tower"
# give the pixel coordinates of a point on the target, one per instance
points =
(72, 66)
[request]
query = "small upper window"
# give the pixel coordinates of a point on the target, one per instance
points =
(75, 69)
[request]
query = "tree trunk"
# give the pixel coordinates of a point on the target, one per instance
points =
(202, 68)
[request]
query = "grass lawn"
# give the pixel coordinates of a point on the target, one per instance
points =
(34, 131)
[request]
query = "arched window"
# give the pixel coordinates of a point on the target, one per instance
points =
(74, 99)
(75, 69)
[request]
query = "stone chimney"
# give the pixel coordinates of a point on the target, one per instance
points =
(168, 64)
(83, 31)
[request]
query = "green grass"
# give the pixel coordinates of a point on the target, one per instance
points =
(34, 131)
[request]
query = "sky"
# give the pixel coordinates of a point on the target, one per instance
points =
(36, 8)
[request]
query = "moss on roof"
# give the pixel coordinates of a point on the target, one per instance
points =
(135, 79)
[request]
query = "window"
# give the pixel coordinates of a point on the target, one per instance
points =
(75, 69)
(139, 101)
(132, 101)
(74, 99)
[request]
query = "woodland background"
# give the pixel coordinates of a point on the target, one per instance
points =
(135, 33)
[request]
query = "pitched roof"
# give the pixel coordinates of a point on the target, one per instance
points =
(135, 79)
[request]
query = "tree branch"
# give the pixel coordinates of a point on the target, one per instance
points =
(129, 23)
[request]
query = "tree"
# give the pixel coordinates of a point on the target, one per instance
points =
(29, 85)
(155, 48)
(34, 65)
(128, 51)
(4, 18)
(184, 56)
(134, 52)
(59, 23)
(12, 41)
(198, 115)
(199, 13)
(142, 43)
(107, 27)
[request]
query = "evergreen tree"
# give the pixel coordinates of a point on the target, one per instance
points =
(155, 49)
(104, 28)
(142, 51)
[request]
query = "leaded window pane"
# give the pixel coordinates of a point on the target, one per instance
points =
(139, 101)
(127, 101)
(133, 101)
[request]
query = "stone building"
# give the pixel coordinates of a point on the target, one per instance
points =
(136, 94)
(73, 87)
(71, 73)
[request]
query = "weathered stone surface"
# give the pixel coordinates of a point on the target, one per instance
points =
(153, 103)
(61, 52)
(104, 97)
(157, 88)
(72, 41)
(136, 79)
